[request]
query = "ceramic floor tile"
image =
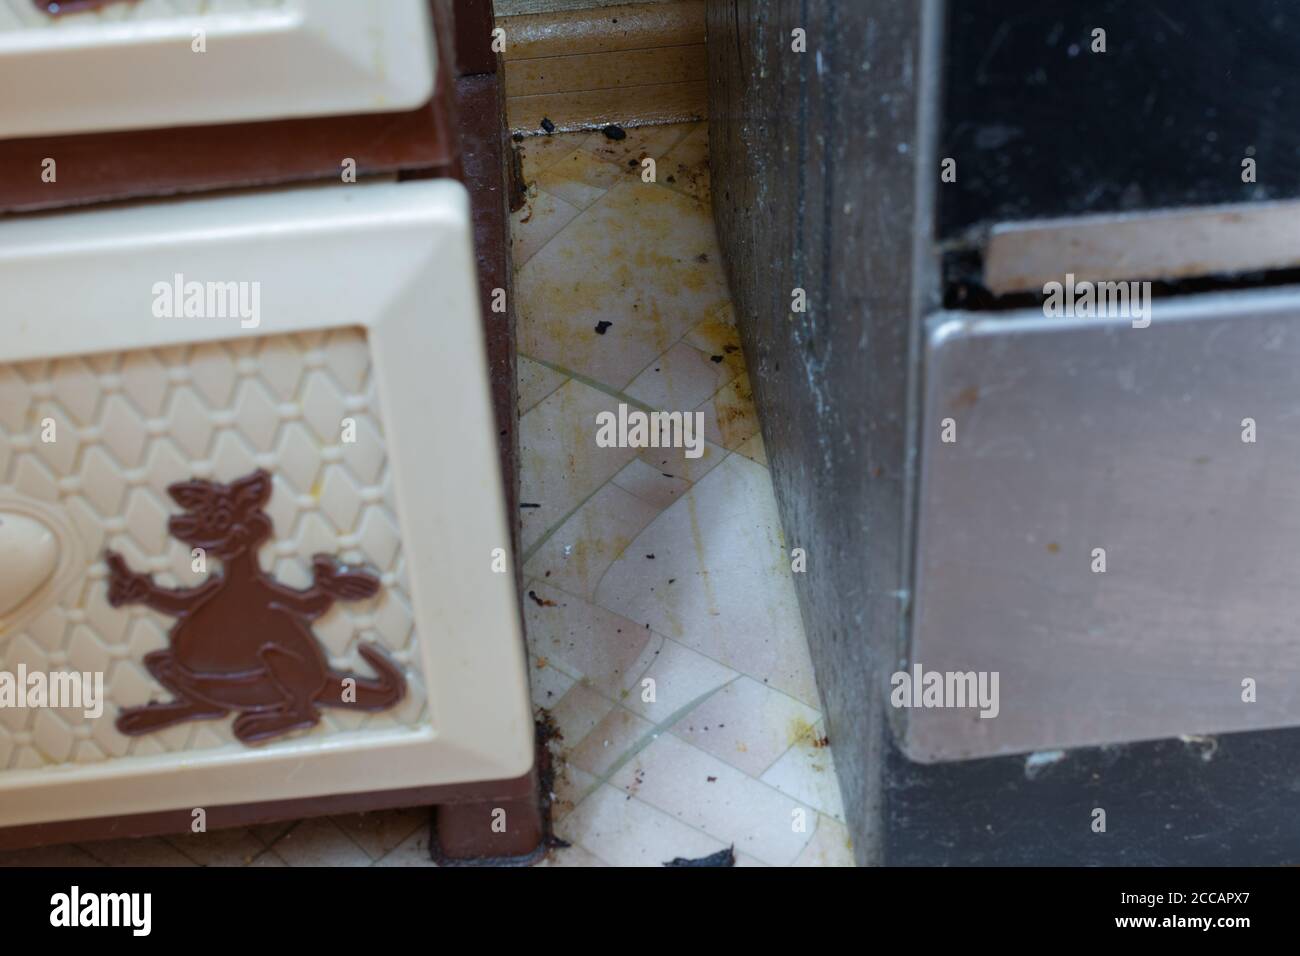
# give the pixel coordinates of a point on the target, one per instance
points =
(629, 296)
(830, 846)
(716, 333)
(560, 462)
(413, 851)
(658, 276)
(650, 485)
(675, 463)
(320, 842)
(807, 772)
(579, 178)
(607, 651)
(271, 833)
(577, 714)
(627, 832)
(749, 725)
(570, 856)
(569, 788)
(577, 553)
(701, 791)
(753, 449)
(642, 141)
(536, 381)
(610, 741)
(235, 847)
(679, 380)
(730, 418)
(543, 215)
(268, 858)
(733, 597)
(380, 832)
(538, 152)
(547, 684)
(685, 167)
(150, 851)
(682, 677)
(66, 855)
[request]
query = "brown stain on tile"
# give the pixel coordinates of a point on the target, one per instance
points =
(697, 541)
(734, 407)
(717, 335)
(800, 731)
(691, 177)
(585, 553)
(650, 261)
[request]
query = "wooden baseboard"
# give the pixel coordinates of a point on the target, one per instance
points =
(636, 64)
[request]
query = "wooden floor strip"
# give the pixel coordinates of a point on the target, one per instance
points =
(602, 71)
(635, 26)
(628, 106)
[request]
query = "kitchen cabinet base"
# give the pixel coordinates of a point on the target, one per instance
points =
(515, 831)
(520, 791)
(510, 832)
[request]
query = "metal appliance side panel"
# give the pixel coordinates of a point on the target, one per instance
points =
(1079, 434)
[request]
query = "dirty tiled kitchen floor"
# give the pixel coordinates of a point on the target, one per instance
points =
(646, 565)
(641, 565)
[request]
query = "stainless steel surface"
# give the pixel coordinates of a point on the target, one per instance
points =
(1154, 244)
(1076, 434)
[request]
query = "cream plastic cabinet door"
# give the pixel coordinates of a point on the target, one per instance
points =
(154, 63)
(219, 391)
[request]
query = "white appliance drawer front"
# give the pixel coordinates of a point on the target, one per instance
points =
(154, 63)
(249, 503)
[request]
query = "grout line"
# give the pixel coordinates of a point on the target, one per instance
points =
(682, 497)
(646, 740)
(551, 531)
(266, 851)
(572, 219)
(653, 735)
(821, 713)
(334, 822)
(518, 354)
(609, 390)
(665, 637)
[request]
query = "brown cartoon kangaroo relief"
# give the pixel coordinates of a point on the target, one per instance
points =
(242, 641)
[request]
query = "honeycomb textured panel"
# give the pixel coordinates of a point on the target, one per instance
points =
(125, 427)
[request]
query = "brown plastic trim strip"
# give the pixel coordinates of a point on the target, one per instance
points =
(255, 814)
(133, 164)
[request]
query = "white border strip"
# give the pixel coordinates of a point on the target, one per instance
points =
(1166, 244)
